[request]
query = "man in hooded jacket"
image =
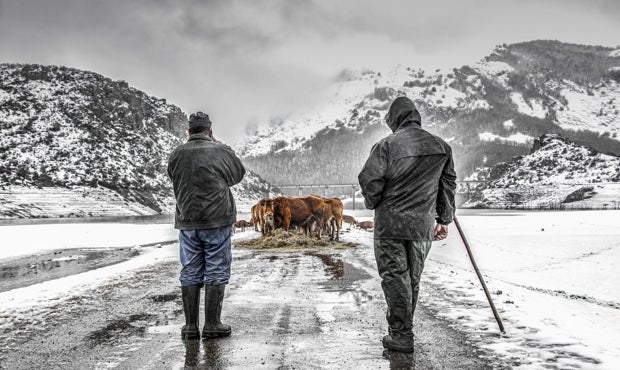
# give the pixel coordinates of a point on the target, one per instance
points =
(409, 181)
(202, 171)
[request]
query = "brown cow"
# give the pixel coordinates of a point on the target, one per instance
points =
(241, 224)
(349, 219)
(254, 219)
(309, 225)
(263, 207)
(295, 211)
(336, 219)
(332, 216)
(269, 223)
(365, 225)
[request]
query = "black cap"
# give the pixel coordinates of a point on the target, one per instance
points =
(199, 119)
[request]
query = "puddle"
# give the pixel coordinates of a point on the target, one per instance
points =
(334, 265)
(28, 270)
(134, 325)
(160, 298)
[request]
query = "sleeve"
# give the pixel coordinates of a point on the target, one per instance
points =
(169, 168)
(445, 196)
(371, 178)
(232, 169)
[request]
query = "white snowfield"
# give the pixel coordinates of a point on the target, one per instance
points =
(532, 107)
(553, 276)
(515, 138)
(596, 109)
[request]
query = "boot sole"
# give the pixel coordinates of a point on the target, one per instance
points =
(218, 334)
(397, 348)
(190, 335)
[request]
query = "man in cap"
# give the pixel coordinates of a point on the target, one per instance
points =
(409, 181)
(202, 170)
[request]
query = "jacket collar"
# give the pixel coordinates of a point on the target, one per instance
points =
(408, 123)
(199, 137)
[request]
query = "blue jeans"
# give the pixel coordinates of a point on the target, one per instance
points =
(205, 256)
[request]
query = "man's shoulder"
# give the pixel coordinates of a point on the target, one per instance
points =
(414, 141)
(442, 142)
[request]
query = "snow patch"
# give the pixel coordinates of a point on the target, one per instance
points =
(493, 68)
(33, 239)
(509, 124)
(614, 53)
(516, 138)
(4, 96)
(78, 201)
(596, 109)
(532, 107)
(74, 257)
(480, 104)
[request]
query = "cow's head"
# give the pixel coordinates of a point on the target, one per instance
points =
(269, 218)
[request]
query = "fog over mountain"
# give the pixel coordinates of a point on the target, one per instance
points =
(489, 112)
(248, 62)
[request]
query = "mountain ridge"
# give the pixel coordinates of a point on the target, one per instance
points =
(557, 173)
(64, 131)
(488, 112)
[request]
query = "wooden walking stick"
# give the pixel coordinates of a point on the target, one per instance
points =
(484, 286)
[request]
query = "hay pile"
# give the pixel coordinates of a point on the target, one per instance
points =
(281, 239)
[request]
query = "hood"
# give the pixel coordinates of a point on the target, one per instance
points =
(401, 112)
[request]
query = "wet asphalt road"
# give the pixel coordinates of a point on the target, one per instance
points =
(288, 309)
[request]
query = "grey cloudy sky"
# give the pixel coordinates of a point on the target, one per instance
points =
(246, 60)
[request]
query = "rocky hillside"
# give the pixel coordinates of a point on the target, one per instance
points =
(557, 173)
(489, 112)
(75, 143)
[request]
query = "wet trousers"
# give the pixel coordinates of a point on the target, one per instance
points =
(205, 256)
(400, 264)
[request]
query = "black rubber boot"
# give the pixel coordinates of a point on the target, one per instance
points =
(399, 341)
(191, 306)
(214, 297)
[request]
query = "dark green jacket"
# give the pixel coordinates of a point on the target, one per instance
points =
(409, 178)
(202, 172)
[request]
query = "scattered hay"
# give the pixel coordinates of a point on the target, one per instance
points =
(281, 239)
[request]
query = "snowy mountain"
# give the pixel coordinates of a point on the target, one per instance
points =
(489, 112)
(556, 174)
(75, 143)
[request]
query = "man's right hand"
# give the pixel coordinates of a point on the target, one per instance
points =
(441, 232)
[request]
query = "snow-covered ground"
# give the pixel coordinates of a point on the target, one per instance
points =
(553, 276)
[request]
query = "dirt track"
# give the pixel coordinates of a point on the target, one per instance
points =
(289, 310)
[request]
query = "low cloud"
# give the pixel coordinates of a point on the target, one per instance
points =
(247, 61)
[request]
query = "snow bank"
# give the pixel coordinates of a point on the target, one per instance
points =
(596, 109)
(515, 138)
(77, 201)
(22, 240)
(531, 107)
(554, 280)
